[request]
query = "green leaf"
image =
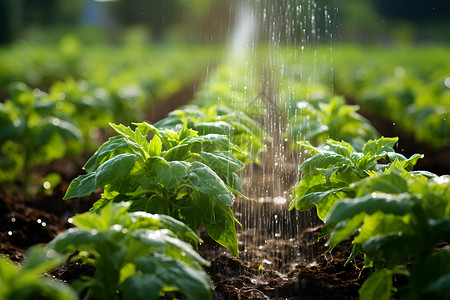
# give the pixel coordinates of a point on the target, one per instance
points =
(234, 182)
(219, 127)
(211, 142)
(75, 239)
(387, 203)
(378, 286)
(344, 229)
(392, 183)
(172, 174)
(155, 146)
(192, 282)
(108, 173)
(145, 220)
(219, 221)
(222, 162)
(304, 187)
(342, 148)
(114, 146)
(394, 248)
(430, 277)
(380, 147)
(40, 260)
(324, 160)
(313, 198)
(67, 129)
(207, 181)
(146, 286)
(179, 152)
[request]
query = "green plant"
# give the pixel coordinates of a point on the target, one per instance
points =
(32, 131)
(334, 166)
(27, 282)
(136, 255)
(242, 130)
(317, 121)
(385, 81)
(190, 177)
(394, 214)
(396, 218)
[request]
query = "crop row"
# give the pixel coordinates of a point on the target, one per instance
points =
(161, 182)
(410, 87)
(183, 171)
(61, 110)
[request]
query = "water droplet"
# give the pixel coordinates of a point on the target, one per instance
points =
(10, 232)
(447, 82)
(13, 219)
(46, 185)
(56, 121)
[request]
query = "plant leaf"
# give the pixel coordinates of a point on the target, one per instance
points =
(378, 286)
(207, 181)
(108, 173)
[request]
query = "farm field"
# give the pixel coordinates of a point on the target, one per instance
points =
(167, 170)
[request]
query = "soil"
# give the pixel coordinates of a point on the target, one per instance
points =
(280, 255)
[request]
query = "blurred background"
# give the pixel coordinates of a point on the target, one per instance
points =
(89, 63)
(372, 21)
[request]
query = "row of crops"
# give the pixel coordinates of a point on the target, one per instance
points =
(409, 86)
(161, 182)
(58, 99)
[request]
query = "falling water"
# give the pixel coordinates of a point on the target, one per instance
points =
(277, 42)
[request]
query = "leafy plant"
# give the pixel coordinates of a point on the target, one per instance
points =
(190, 177)
(242, 130)
(318, 121)
(387, 81)
(136, 255)
(26, 282)
(397, 217)
(334, 166)
(32, 131)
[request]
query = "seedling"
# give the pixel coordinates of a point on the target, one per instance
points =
(136, 255)
(190, 177)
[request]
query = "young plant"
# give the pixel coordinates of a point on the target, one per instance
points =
(318, 121)
(396, 218)
(27, 282)
(334, 166)
(395, 215)
(136, 255)
(32, 131)
(192, 178)
(242, 130)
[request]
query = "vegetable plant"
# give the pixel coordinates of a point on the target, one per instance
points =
(32, 131)
(136, 255)
(334, 166)
(242, 130)
(396, 218)
(182, 174)
(317, 121)
(27, 282)
(394, 214)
